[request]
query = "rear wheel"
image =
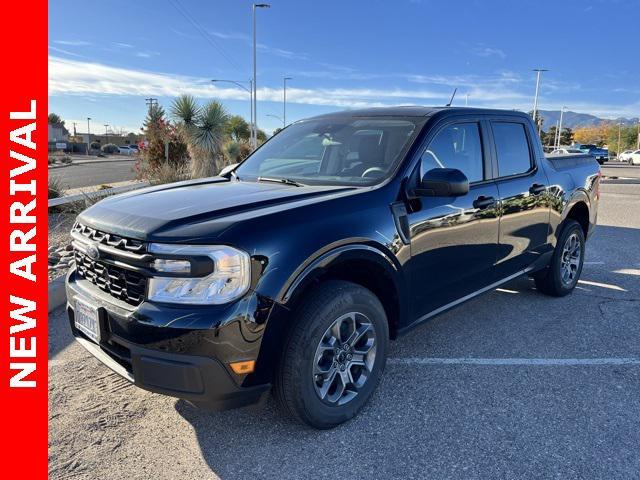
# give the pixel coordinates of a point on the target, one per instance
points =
(563, 272)
(334, 356)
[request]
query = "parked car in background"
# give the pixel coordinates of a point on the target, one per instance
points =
(127, 150)
(134, 148)
(601, 154)
(566, 151)
(296, 268)
(625, 156)
(634, 158)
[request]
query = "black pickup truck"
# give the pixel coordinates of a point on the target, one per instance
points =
(295, 269)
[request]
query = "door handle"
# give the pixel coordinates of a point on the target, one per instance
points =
(537, 189)
(483, 202)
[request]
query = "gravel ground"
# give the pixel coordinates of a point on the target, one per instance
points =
(60, 254)
(563, 418)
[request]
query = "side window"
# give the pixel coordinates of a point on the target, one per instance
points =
(512, 148)
(456, 146)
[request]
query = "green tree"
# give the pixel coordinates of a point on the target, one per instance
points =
(261, 136)
(155, 114)
(628, 137)
(203, 129)
(566, 136)
(549, 137)
(238, 129)
(54, 119)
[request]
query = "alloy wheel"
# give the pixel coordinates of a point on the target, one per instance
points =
(344, 358)
(571, 257)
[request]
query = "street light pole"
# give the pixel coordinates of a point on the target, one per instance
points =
(88, 135)
(106, 131)
(284, 100)
(560, 127)
(535, 100)
(254, 140)
(250, 92)
(277, 117)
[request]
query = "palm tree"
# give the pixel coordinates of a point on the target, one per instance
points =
(203, 129)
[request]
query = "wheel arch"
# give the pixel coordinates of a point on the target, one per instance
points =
(362, 264)
(578, 209)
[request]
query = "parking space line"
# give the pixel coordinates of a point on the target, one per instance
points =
(601, 285)
(513, 361)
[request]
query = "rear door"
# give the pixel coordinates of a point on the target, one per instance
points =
(522, 189)
(454, 239)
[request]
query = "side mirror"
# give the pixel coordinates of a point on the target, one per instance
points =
(225, 171)
(443, 182)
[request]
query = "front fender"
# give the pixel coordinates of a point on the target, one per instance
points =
(324, 259)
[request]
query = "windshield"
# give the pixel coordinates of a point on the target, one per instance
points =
(339, 151)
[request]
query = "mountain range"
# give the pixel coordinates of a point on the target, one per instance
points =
(575, 119)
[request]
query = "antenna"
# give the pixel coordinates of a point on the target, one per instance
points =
(452, 97)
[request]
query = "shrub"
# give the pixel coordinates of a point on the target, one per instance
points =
(95, 145)
(165, 173)
(152, 162)
(110, 148)
(235, 152)
(65, 159)
(51, 161)
(56, 188)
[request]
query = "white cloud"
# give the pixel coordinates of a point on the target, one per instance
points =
(147, 54)
(280, 52)
(66, 52)
(74, 77)
(73, 43)
(483, 51)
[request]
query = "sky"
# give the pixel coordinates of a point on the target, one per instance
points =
(106, 57)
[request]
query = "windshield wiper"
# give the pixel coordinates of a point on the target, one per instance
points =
(286, 181)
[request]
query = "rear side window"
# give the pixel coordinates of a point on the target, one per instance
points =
(512, 148)
(456, 146)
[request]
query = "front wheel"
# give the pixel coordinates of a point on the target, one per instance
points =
(334, 355)
(563, 272)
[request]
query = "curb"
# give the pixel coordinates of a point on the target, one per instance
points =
(57, 293)
(106, 160)
(53, 167)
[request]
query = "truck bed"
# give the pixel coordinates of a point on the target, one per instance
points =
(564, 162)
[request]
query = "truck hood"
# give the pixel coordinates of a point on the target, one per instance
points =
(145, 214)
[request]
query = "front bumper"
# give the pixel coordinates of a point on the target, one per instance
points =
(181, 351)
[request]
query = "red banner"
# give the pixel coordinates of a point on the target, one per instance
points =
(23, 143)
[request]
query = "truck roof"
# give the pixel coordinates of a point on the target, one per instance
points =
(412, 111)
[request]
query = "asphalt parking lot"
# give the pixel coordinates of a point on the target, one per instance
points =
(513, 384)
(101, 172)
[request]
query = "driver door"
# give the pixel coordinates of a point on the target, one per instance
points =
(454, 240)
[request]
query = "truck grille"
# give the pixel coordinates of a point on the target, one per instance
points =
(120, 283)
(116, 241)
(126, 284)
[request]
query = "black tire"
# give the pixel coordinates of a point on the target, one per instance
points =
(551, 280)
(296, 383)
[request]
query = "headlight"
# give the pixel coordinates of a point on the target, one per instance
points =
(228, 281)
